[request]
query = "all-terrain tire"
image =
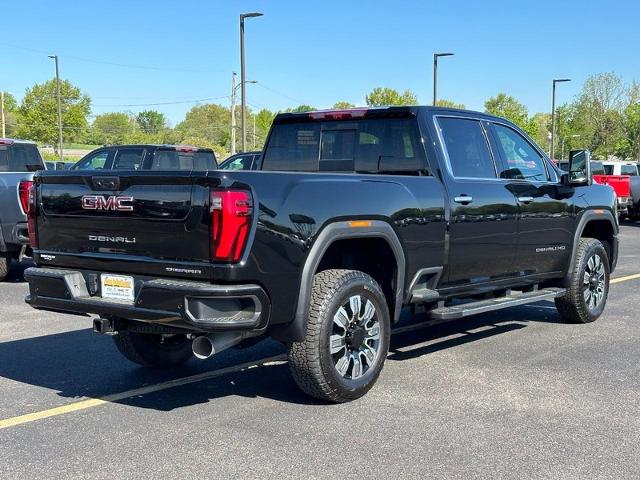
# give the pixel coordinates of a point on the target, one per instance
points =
(150, 350)
(5, 263)
(318, 371)
(590, 276)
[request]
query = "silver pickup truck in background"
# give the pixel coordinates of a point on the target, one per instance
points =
(19, 159)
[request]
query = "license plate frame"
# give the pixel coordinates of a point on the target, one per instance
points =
(117, 287)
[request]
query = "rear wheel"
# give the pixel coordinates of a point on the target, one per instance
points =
(347, 337)
(586, 296)
(153, 350)
(5, 263)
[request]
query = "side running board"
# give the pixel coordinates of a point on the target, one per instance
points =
(473, 308)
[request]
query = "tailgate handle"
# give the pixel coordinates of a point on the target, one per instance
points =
(106, 183)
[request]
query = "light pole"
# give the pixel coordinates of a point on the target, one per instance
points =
(55, 59)
(4, 133)
(435, 74)
(242, 76)
(553, 114)
(234, 91)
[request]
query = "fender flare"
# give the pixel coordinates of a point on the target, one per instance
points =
(585, 218)
(297, 329)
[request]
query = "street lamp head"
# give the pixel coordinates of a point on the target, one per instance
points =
(52, 56)
(559, 80)
(250, 15)
(445, 54)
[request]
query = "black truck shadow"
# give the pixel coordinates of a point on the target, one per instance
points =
(80, 363)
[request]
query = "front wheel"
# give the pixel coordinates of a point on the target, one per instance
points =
(152, 350)
(588, 289)
(347, 338)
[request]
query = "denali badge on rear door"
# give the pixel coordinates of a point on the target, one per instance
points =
(105, 238)
(100, 202)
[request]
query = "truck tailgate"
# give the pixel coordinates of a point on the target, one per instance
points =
(621, 184)
(161, 216)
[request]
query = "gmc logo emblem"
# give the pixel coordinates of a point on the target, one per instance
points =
(100, 202)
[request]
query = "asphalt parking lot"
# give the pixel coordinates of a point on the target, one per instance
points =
(513, 394)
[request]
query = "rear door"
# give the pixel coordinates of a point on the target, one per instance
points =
(483, 225)
(545, 206)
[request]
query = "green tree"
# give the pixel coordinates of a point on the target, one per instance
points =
(301, 109)
(506, 106)
(209, 122)
(449, 104)
(151, 121)
(343, 105)
(10, 107)
(629, 145)
(264, 119)
(110, 128)
(38, 114)
(379, 97)
(539, 129)
(598, 113)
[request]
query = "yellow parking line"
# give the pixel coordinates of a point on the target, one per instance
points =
(625, 278)
(200, 377)
(95, 402)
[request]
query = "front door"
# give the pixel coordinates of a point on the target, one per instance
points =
(545, 206)
(483, 220)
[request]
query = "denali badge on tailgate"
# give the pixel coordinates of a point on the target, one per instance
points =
(100, 202)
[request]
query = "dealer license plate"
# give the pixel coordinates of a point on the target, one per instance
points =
(119, 287)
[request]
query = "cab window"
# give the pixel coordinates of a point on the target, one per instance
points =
(95, 161)
(522, 161)
(128, 159)
(467, 149)
(631, 170)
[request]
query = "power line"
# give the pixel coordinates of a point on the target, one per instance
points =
(163, 103)
(115, 64)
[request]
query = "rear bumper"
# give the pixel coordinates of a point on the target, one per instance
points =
(194, 306)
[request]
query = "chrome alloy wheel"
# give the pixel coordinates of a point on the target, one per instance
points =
(355, 339)
(594, 282)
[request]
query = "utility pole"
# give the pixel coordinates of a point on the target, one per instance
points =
(55, 58)
(553, 114)
(254, 131)
(4, 133)
(435, 74)
(233, 113)
(242, 77)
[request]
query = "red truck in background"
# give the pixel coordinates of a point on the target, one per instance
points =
(608, 173)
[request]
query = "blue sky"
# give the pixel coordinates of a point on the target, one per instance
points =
(316, 52)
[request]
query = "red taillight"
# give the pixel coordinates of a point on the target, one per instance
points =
(231, 212)
(31, 216)
(23, 194)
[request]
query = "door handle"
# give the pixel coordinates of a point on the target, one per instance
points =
(525, 199)
(464, 199)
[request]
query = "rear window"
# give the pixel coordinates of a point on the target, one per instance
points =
(345, 146)
(608, 169)
(175, 160)
(20, 158)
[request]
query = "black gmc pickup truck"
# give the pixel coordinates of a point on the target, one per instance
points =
(354, 215)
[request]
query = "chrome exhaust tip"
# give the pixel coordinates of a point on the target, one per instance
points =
(206, 346)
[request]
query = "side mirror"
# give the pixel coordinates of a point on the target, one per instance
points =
(579, 168)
